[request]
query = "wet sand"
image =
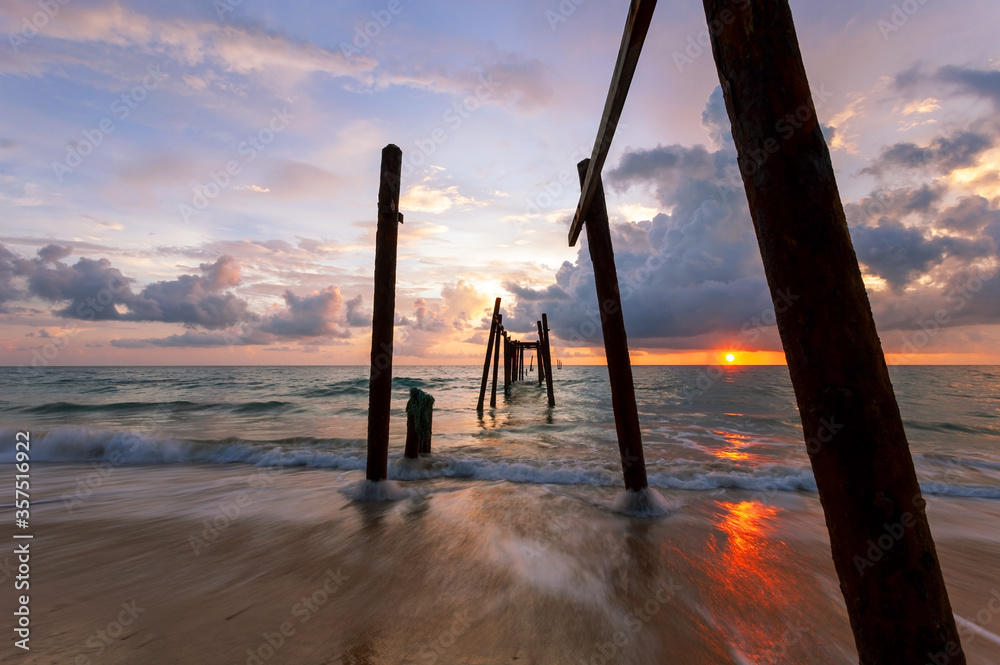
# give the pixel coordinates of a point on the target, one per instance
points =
(236, 564)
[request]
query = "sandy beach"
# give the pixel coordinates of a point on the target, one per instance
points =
(239, 564)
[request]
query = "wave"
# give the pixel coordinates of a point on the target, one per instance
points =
(176, 406)
(81, 444)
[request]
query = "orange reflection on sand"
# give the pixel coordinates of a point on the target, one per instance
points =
(751, 587)
(745, 525)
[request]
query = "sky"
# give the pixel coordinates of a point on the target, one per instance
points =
(195, 182)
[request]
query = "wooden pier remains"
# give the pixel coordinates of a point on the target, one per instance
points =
(898, 606)
(514, 369)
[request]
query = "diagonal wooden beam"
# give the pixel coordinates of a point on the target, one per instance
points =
(640, 14)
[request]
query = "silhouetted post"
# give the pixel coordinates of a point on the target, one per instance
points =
(383, 312)
(615, 341)
(548, 360)
(419, 422)
(496, 362)
(896, 598)
(541, 362)
(489, 354)
(520, 361)
(506, 365)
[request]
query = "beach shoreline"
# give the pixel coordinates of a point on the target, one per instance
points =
(243, 564)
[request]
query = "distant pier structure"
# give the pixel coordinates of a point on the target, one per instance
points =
(514, 369)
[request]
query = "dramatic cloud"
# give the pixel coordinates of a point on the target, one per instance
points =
(97, 291)
(690, 272)
(692, 275)
(315, 315)
(942, 156)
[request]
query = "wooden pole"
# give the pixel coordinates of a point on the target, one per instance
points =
(615, 339)
(882, 546)
(541, 361)
(496, 363)
(383, 312)
(520, 361)
(506, 365)
(640, 14)
(489, 354)
(548, 360)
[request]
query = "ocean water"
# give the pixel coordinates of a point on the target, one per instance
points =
(735, 428)
(219, 497)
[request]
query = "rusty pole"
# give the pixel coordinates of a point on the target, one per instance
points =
(896, 601)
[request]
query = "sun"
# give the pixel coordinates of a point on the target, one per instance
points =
(730, 358)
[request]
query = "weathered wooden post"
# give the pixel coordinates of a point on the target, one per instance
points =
(419, 423)
(541, 361)
(615, 339)
(898, 605)
(496, 362)
(383, 312)
(548, 361)
(489, 354)
(506, 365)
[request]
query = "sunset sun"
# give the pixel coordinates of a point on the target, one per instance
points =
(730, 358)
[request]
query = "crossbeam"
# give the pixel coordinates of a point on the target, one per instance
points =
(640, 14)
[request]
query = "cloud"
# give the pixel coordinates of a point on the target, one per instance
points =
(424, 198)
(354, 315)
(315, 315)
(942, 155)
(898, 253)
(12, 267)
(982, 83)
(226, 46)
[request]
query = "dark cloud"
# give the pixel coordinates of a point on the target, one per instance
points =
(315, 315)
(695, 271)
(96, 290)
(196, 339)
(941, 156)
(985, 84)
(355, 316)
(898, 253)
(52, 253)
(12, 267)
(423, 318)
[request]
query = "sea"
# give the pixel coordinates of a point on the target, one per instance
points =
(221, 497)
(702, 428)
